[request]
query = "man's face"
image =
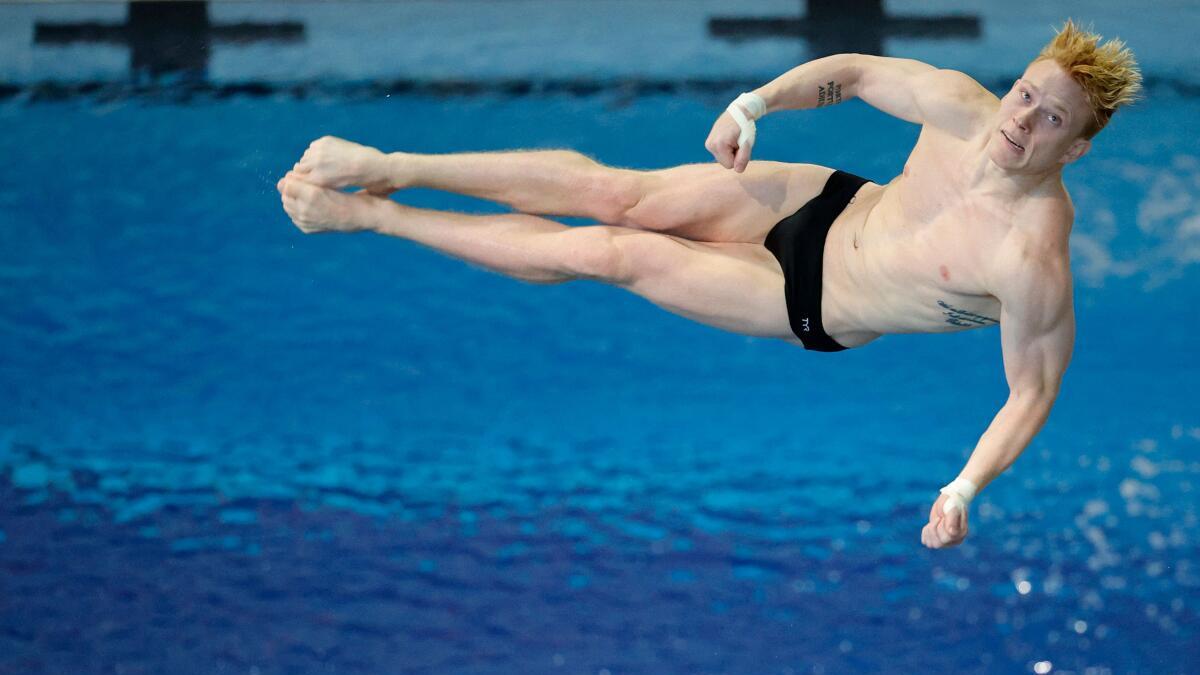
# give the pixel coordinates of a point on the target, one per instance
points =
(1041, 121)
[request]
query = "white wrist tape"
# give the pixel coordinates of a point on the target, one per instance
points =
(755, 106)
(960, 492)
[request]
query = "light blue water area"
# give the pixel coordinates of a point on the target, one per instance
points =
(353, 451)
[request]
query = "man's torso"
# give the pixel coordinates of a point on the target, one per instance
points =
(914, 255)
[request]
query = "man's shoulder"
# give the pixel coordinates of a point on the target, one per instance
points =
(955, 103)
(1045, 222)
(960, 85)
(1033, 258)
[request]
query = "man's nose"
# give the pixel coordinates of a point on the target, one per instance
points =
(1021, 119)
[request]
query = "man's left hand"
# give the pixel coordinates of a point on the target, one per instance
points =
(944, 530)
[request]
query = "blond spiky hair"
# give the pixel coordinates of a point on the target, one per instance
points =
(1108, 73)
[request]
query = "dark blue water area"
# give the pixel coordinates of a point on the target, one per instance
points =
(229, 447)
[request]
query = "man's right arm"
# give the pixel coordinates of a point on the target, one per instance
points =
(908, 89)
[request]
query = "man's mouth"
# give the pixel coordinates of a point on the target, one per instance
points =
(1015, 144)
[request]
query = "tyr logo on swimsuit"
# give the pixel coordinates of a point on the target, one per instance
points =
(805, 322)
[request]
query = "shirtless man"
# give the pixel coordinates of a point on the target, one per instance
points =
(973, 233)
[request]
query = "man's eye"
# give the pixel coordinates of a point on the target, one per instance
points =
(1054, 119)
(1025, 95)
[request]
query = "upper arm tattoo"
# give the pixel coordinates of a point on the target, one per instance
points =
(829, 94)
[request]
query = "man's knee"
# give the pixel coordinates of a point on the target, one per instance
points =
(668, 199)
(615, 193)
(597, 252)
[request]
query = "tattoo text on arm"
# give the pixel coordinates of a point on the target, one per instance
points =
(963, 318)
(829, 94)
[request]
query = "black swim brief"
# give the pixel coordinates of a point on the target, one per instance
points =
(798, 242)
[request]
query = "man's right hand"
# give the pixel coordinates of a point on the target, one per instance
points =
(944, 529)
(336, 163)
(723, 144)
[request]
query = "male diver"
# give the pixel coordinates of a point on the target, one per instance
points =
(973, 233)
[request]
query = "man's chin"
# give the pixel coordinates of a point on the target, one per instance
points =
(1002, 159)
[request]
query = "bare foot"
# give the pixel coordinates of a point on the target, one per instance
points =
(314, 209)
(335, 163)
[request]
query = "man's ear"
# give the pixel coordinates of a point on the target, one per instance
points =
(1079, 148)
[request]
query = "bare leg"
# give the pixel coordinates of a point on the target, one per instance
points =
(514, 244)
(558, 182)
(703, 202)
(735, 287)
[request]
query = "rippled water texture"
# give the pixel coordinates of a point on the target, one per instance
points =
(227, 447)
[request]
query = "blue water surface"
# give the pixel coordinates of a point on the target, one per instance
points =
(229, 447)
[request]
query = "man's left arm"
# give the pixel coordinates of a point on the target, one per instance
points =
(1037, 336)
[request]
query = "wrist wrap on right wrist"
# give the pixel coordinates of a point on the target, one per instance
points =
(960, 491)
(754, 104)
(744, 110)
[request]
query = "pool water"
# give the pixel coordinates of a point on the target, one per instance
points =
(229, 447)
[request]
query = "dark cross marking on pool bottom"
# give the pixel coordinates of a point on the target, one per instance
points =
(961, 317)
(168, 37)
(837, 26)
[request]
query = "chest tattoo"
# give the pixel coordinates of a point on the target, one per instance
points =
(961, 317)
